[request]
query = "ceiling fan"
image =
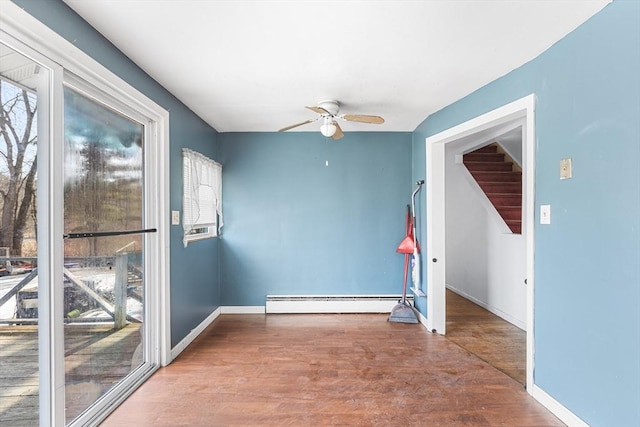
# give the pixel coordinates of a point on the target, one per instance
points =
(328, 113)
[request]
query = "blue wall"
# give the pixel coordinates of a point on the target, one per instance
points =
(296, 226)
(587, 262)
(195, 291)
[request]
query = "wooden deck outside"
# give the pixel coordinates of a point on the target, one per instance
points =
(19, 375)
(96, 357)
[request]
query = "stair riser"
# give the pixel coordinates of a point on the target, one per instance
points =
(510, 213)
(500, 200)
(483, 157)
(501, 187)
(515, 228)
(489, 166)
(485, 176)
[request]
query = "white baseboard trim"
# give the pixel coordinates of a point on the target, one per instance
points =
(300, 304)
(347, 305)
(242, 309)
(516, 322)
(179, 348)
(556, 408)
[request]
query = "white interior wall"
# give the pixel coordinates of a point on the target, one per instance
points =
(485, 263)
(511, 143)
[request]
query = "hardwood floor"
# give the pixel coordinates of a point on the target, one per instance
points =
(492, 339)
(310, 370)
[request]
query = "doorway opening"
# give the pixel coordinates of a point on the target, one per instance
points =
(473, 277)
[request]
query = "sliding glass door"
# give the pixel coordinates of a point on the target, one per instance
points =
(104, 249)
(20, 80)
(83, 234)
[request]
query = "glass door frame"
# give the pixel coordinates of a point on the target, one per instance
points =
(150, 361)
(61, 61)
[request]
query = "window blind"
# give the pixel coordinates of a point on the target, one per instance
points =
(202, 193)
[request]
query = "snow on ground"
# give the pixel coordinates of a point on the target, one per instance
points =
(102, 277)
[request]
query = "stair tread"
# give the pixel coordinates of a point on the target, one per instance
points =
(512, 187)
(501, 184)
(486, 149)
(505, 183)
(500, 194)
(505, 172)
(514, 174)
(484, 157)
(468, 163)
(489, 166)
(476, 161)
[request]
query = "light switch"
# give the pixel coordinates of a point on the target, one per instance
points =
(545, 214)
(565, 168)
(175, 217)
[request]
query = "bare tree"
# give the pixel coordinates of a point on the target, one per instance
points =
(17, 130)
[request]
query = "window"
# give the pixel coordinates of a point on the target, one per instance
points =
(202, 196)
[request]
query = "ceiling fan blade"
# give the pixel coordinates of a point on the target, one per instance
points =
(318, 110)
(376, 120)
(339, 134)
(296, 125)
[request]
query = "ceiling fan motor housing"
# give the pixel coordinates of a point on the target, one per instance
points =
(331, 106)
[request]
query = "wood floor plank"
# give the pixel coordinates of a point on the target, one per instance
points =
(487, 336)
(299, 370)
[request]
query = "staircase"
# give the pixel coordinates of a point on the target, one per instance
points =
(500, 182)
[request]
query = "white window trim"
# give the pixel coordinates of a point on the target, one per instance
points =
(200, 173)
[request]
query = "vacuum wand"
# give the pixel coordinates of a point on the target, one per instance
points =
(415, 260)
(413, 202)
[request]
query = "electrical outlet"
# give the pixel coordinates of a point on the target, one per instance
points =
(565, 168)
(175, 217)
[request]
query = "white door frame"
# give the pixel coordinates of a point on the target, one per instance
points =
(521, 110)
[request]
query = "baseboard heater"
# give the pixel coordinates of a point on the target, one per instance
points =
(332, 303)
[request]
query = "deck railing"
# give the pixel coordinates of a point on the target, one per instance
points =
(127, 279)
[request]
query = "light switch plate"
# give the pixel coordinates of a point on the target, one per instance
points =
(565, 168)
(175, 217)
(545, 214)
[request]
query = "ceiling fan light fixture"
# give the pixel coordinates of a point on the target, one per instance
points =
(327, 111)
(328, 129)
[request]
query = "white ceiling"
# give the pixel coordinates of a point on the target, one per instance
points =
(253, 65)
